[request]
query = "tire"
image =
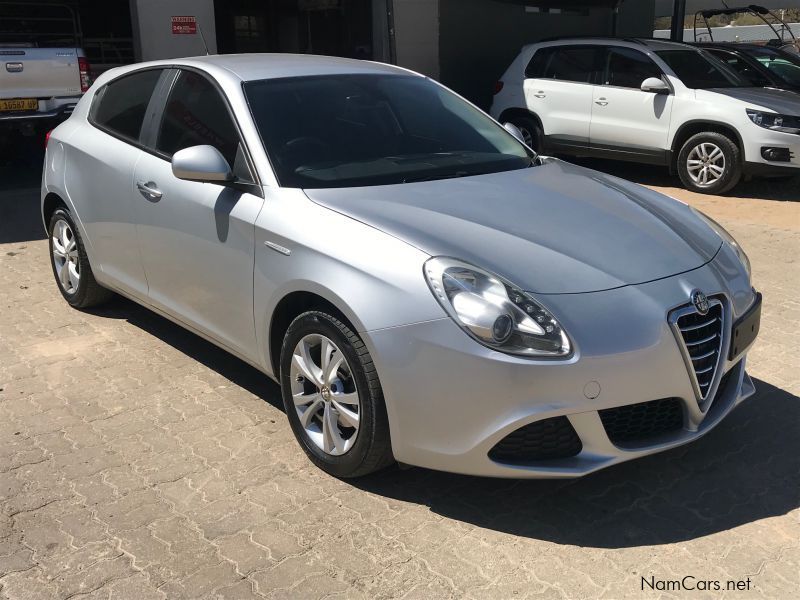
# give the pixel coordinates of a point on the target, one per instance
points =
(82, 291)
(531, 131)
(707, 152)
(363, 449)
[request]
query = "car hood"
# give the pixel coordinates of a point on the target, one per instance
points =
(781, 101)
(552, 229)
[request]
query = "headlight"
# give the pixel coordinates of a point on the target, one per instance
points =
(727, 238)
(494, 312)
(775, 122)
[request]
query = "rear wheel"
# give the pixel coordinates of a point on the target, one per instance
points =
(531, 131)
(709, 163)
(70, 264)
(333, 397)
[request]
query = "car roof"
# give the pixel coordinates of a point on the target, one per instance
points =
(249, 67)
(654, 44)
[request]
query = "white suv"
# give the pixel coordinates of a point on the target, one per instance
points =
(650, 101)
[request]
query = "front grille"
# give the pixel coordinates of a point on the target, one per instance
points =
(637, 422)
(541, 440)
(702, 342)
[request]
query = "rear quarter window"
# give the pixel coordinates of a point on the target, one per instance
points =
(120, 106)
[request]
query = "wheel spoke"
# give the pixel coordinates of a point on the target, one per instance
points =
(348, 398)
(717, 170)
(330, 370)
(302, 399)
(72, 274)
(63, 275)
(58, 249)
(715, 154)
(346, 416)
(305, 364)
(328, 429)
(308, 414)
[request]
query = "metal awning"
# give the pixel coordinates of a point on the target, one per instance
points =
(665, 8)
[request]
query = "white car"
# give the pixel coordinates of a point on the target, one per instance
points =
(650, 101)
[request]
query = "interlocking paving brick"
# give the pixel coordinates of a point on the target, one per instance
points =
(140, 462)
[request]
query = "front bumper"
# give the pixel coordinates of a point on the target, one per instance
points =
(451, 400)
(757, 139)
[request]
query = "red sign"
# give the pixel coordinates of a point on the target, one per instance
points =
(184, 25)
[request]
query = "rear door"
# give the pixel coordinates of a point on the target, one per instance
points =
(558, 88)
(197, 239)
(39, 72)
(626, 120)
(100, 160)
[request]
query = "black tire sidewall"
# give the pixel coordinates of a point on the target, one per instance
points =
(733, 168)
(354, 459)
(76, 298)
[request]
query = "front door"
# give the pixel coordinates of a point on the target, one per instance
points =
(625, 119)
(197, 239)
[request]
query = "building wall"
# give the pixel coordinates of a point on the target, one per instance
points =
(479, 38)
(416, 35)
(152, 28)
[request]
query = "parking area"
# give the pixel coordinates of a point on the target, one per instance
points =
(140, 461)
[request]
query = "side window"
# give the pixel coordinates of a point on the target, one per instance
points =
(196, 115)
(122, 103)
(577, 64)
(538, 65)
(742, 67)
(629, 68)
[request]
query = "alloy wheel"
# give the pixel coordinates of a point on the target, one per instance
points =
(325, 395)
(65, 256)
(706, 164)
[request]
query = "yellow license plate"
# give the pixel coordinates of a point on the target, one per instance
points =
(19, 104)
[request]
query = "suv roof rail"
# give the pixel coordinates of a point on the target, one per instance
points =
(564, 38)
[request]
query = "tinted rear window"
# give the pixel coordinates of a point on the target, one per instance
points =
(122, 103)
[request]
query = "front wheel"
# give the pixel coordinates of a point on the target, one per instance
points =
(333, 397)
(709, 163)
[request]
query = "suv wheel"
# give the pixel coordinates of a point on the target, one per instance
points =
(709, 163)
(333, 397)
(531, 131)
(70, 264)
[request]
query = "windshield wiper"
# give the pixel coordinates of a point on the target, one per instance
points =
(455, 175)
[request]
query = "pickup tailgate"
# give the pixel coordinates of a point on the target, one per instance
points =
(39, 72)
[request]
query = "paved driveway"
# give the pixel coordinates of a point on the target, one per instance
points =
(138, 461)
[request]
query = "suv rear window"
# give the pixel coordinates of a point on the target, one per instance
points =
(569, 63)
(121, 105)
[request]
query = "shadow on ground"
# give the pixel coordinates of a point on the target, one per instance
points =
(743, 471)
(20, 178)
(650, 175)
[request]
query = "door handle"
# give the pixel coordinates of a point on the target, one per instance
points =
(149, 190)
(540, 94)
(601, 102)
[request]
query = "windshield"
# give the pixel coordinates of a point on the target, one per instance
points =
(361, 130)
(699, 70)
(784, 65)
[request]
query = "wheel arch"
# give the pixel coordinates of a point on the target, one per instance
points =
(694, 127)
(50, 204)
(519, 112)
(288, 308)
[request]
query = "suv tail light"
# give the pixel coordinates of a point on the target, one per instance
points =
(47, 137)
(86, 74)
(498, 87)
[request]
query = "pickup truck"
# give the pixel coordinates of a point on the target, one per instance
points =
(39, 87)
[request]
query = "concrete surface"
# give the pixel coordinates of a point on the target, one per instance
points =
(139, 461)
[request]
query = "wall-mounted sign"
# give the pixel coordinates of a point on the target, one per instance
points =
(184, 25)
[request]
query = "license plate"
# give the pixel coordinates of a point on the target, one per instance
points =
(19, 104)
(745, 329)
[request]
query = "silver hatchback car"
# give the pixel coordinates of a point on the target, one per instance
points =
(424, 287)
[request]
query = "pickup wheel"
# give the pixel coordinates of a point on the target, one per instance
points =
(709, 163)
(70, 264)
(531, 131)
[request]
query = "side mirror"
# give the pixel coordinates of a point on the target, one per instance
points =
(514, 130)
(201, 163)
(655, 85)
